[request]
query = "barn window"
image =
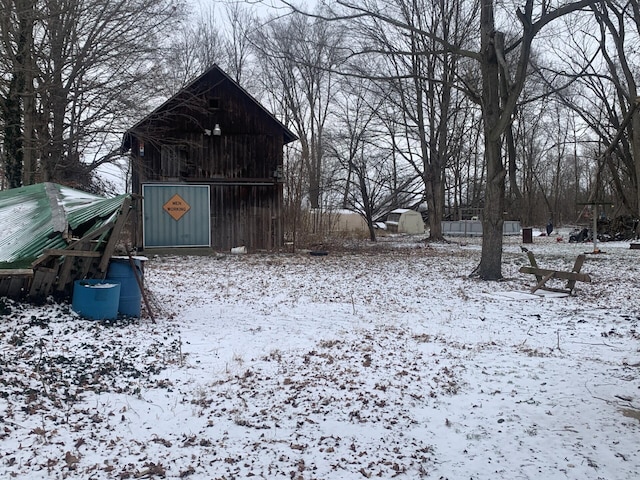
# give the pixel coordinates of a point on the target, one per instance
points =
(169, 161)
(214, 103)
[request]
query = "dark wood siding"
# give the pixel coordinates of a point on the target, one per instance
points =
(245, 215)
(208, 157)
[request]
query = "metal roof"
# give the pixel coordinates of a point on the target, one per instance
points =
(45, 215)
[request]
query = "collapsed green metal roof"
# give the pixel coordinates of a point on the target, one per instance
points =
(47, 215)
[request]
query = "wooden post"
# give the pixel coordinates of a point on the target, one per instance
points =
(115, 234)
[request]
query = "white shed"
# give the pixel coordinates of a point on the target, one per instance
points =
(404, 220)
(349, 222)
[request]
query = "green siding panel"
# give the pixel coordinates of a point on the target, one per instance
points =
(161, 229)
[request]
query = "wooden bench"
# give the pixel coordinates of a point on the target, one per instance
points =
(543, 275)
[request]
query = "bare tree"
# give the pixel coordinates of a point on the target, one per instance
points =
(610, 107)
(212, 36)
(298, 56)
(294, 175)
(84, 65)
(183, 61)
(498, 109)
(417, 80)
(497, 92)
(238, 47)
(352, 145)
(16, 97)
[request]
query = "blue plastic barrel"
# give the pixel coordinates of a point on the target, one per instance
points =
(120, 270)
(96, 299)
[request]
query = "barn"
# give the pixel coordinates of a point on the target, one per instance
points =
(208, 164)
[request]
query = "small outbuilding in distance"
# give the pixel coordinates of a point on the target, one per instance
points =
(404, 220)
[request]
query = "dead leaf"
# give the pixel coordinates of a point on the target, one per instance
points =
(71, 460)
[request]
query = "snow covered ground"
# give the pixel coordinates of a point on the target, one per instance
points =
(375, 361)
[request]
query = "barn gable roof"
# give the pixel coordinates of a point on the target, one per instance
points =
(214, 75)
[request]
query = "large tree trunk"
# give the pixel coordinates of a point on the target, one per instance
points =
(492, 220)
(434, 193)
(28, 95)
(12, 116)
(12, 107)
(635, 142)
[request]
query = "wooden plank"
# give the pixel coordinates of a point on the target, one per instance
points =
(65, 273)
(81, 243)
(534, 264)
(18, 286)
(541, 282)
(90, 236)
(577, 266)
(5, 283)
(115, 234)
(13, 287)
(556, 290)
(140, 286)
(43, 280)
(40, 260)
(579, 262)
(63, 252)
(16, 272)
(580, 277)
(85, 268)
(14, 282)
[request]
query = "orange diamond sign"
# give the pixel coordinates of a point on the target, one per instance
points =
(176, 207)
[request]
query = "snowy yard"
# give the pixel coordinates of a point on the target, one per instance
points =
(371, 362)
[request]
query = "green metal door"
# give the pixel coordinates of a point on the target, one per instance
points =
(176, 216)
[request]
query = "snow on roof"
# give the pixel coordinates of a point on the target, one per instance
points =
(38, 217)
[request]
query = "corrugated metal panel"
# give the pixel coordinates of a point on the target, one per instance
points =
(25, 216)
(473, 228)
(82, 207)
(104, 210)
(189, 229)
(35, 218)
